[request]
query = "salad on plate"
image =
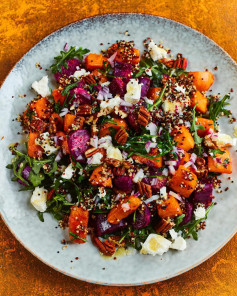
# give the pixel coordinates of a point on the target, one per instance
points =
(126, 149)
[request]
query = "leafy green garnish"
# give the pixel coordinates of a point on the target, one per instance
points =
(213, 152)
(40, 216)
(158, 101)
(218, 107)
(36, 179)
(76, 237)
(64, 56)
(195, 127)
(68, 88)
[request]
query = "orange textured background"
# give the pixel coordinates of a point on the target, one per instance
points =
(22, 24)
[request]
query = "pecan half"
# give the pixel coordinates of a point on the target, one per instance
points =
(112, 161)
(144, 189)
(39, 126)
(119, 171)
(91, 152)
(121, 136)
(180, 63)
(202, 169)
(163, 226)
(84, 110)
(106, 247)
(143, 116)
(89, 79)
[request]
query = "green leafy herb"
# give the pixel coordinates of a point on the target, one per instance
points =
(40, 216)
(195, 127)
(213, 152)
(218, 107)
(76, 237)
(36, 179)
(61, 60)
(158, 101)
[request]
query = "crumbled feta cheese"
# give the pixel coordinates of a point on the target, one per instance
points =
(173, 233)
(172, 107)
(155, 244)
(105, 142)
(95, 158)
(110, 103)
(47, 143)
(114, 153)
(133, 93)
(139, 176)
(94, 141)
(125, 206)
(39, 198)
(41, 86)
(163, 192)
(199, 213)
(78, 74)
(156, 52)
(152, 128)
(68, 173)
(102, 192)
(180, 89)
(179, 244)
(148, 72)
(148, 101)
(222, 140)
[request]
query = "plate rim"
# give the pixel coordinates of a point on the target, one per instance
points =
(97, 16)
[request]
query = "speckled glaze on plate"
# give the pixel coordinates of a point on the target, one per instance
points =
(43, 239)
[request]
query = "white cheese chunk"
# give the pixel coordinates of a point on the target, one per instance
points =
(199, 213)
(222, 140)
(133, 93)
(172, 107)
(41, 86)
(78, 74)
(180, 89)
(47, 143)
(39, 198)
(105, 142)
(111, 103)
(115, 153)
(95, 158)
(139, 176)
(152, 128)
(173, 233)
(156, 52)
(179, 244)
(68, 173)
(155, 244)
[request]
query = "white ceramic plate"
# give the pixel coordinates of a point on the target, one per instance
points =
(43, 239)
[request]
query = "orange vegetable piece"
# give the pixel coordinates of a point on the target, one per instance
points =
(57, 95)
(128, 55)
(78, 221)
(185, 158)
(169, 208)
(42, 107)
(99, 75)
(104, 130)
(221, 163)
(95, 61)
(69, 119)
(206, 123)
(184, 181)
(153, 93)
(203, 80)
(64, 141)
(126, 207)
(34, 151)
(183, 138)
(101, 177)
(201, 102)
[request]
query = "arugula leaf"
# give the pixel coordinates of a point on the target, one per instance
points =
(66, 55)
(40, 216)
(76, 237)
(36, 179)
(69, 87)
(195, 127)
(158, 101)
(217, 107)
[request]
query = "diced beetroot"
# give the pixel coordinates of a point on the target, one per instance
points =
(116, 86)
(188, 211)
(102, 226)
(122, 69)
(133, 123)
(142, 218)
(123, 183)
(82, 95)
(72, 67)
(204, 196)
(78, 144)
(145, 81)
(160, 182)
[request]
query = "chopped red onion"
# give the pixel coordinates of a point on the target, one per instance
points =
(111, 59)
(94, 141)
(124, 103)
(187, 124)
(193, 157)
(170, 162)
(194, 167)
(68, 197)
(205, 154)
(124, 154)
(118, 196)
(150, 145)
(210, 131)
(154, 181)
(219, 160)
(59, 156)
(152, 128)
(171, 169)
(152, 198)
(66, 47)
(165, 172)
(160, 130)
(177, 196)
(104, 94)
(188, 164)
